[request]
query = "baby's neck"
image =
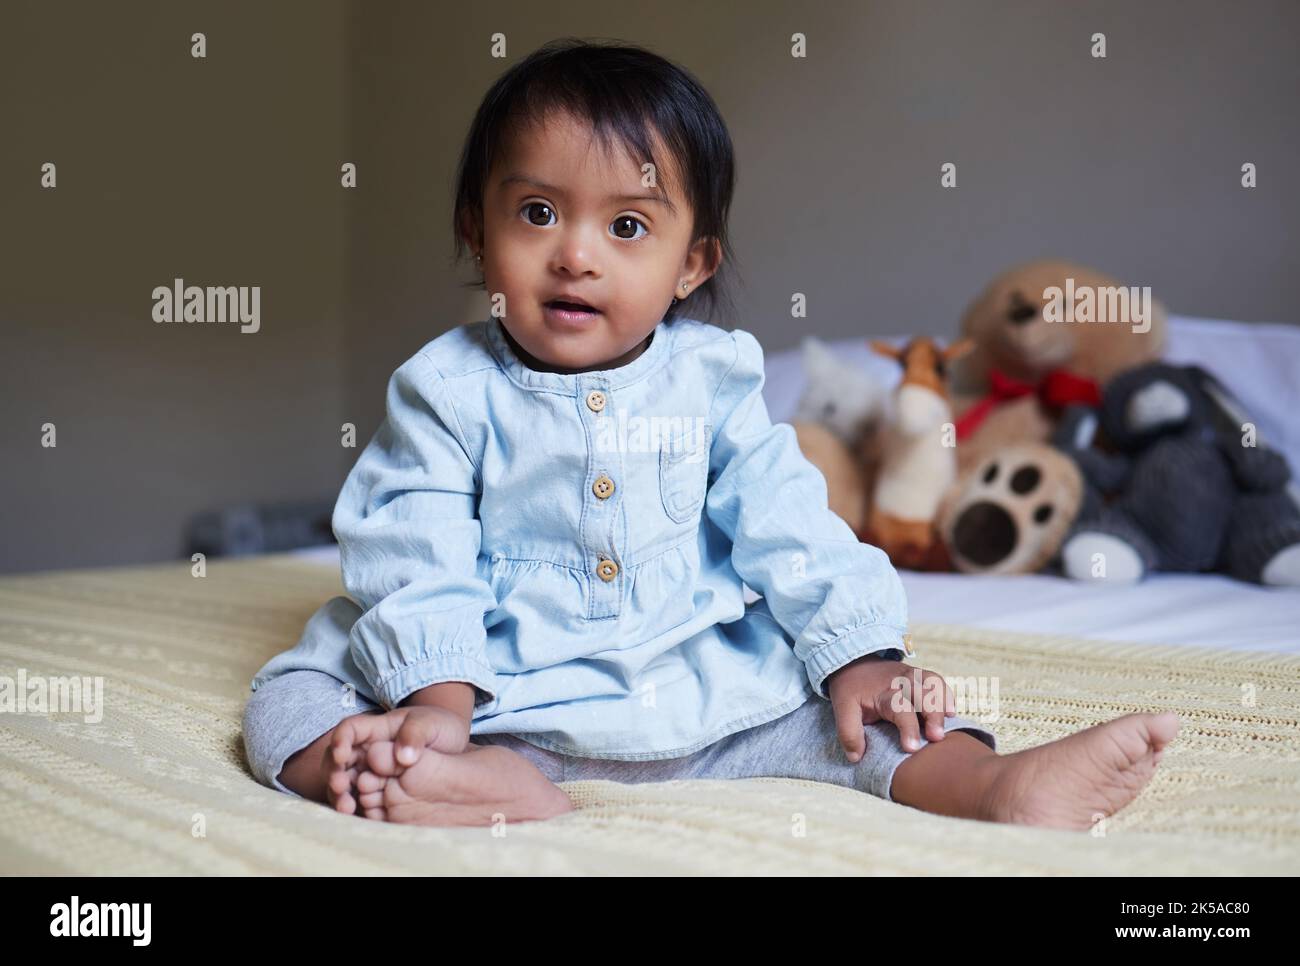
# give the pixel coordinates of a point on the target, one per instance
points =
(532, 362)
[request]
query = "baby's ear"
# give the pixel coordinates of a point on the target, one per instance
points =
(885, 349)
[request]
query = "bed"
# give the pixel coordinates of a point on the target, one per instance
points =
(158, 784)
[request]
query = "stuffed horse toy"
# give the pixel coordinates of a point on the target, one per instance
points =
(918, 455)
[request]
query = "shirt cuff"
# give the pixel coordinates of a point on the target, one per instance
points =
(442, 667)
(886, 640)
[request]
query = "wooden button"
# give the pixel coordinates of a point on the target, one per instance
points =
(603, 487)
(607, 569)
(595, 400)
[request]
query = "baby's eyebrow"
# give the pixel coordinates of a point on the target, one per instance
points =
(556, 190)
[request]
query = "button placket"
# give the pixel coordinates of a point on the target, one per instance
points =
(601, 501)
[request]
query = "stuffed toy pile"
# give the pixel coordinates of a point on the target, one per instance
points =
(1048, 435)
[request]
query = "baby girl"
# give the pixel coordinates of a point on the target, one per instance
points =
(546, 543)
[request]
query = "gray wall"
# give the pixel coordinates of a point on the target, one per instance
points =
(225, 171)
(221, 171)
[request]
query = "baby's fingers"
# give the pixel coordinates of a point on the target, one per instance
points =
(893, 705)
(848, 724)
(936, 704)
(340, 788)
(359, 730)
(933, 719)
(418, 731)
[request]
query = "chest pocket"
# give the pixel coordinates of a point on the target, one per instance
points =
(683, 473)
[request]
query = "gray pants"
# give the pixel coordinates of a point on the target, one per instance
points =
(292, 710)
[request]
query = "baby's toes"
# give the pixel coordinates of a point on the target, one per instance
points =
(1140, 738)
(368, 782)
(372, 802)
(1164, 729)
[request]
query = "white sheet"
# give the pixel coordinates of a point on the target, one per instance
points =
(1202, 610)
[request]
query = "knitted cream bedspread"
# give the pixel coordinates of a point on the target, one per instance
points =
(159, 785)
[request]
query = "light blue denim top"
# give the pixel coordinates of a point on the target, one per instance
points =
(540, 536)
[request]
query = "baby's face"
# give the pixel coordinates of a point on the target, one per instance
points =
(559, 218)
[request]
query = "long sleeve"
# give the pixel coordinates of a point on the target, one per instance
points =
(409, 541)
(836, 597)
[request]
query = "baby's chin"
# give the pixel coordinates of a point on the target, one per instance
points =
(581, 363)
(577, 351)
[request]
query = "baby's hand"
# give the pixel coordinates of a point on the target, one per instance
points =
(871, 689)
(410, 727)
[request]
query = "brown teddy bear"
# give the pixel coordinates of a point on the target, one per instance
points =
(1047, 334)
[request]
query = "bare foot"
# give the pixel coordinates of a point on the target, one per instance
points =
(479, 786)
(1070, 782)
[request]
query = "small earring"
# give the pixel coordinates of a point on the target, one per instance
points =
(479, 258)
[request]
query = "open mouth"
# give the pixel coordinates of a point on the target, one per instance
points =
(567, 308)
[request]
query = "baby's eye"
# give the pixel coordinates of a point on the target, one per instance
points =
(531, 207)
(622, 222)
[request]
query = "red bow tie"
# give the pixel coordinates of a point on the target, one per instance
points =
(1058, 389)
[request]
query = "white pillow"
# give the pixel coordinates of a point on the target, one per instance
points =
(1258, 361)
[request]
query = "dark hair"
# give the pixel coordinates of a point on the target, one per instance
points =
(626, 93)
